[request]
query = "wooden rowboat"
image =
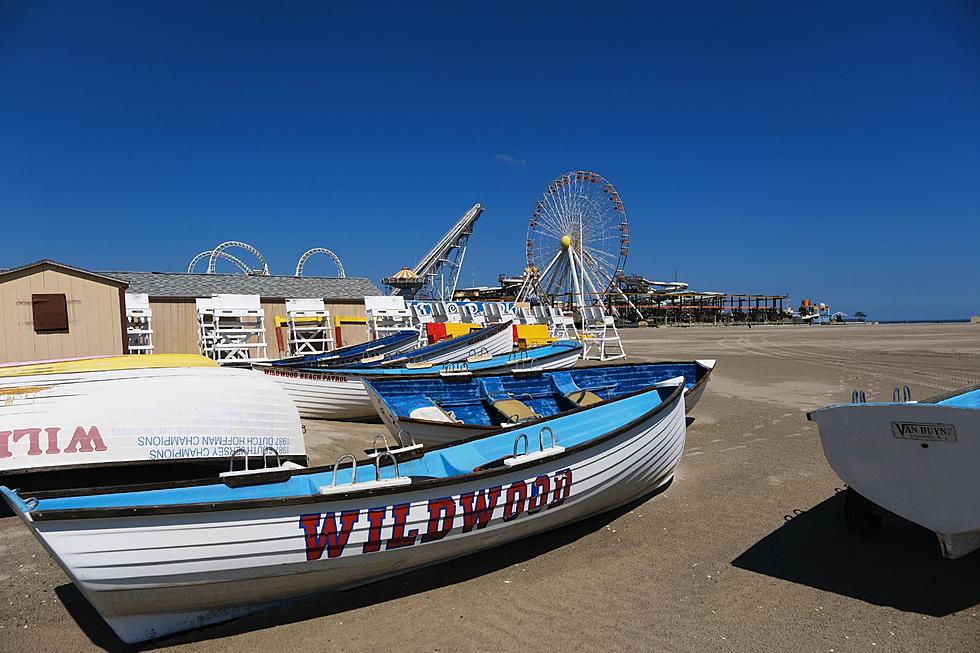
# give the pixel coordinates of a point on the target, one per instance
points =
(386, 347)
(435, 409)
(161, 559)
(340, 393)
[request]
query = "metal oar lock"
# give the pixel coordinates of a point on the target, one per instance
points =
(258, 476)
(543, 452)
(378, 482)
(902, 395)
(407, 447)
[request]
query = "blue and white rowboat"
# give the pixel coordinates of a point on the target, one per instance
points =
(340, 394)
(161, 559)
(439, 409)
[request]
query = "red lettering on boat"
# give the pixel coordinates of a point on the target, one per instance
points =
(34, 436)
(399, 537)
(478, 513)
(442, 513)
(539, 494)
(375, 517)
(85, 441)
(563, 487)
(516, 498)
(328, 536)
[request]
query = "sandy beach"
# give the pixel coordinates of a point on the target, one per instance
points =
(745, 551)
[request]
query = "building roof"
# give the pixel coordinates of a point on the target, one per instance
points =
(46, 262)
(183, 284)
(405, 273)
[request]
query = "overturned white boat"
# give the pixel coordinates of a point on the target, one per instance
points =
(103, 412)
(918, 460)
(159, 559)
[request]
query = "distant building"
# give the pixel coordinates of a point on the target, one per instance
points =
(52, 310)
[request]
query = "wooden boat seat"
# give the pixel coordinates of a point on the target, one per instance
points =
(512, 410)
(564, 385)
(583, 398)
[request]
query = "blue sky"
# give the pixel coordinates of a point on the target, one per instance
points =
(827, 150)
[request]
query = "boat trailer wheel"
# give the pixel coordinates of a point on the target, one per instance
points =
(859, 514)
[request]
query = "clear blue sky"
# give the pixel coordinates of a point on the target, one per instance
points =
(828, 150)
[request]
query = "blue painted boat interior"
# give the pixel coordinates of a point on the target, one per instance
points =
(526, 357)
(969, 399)
(470, 400)
(460, 459)
(353, 352)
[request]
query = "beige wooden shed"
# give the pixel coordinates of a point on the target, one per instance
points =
(52, 310)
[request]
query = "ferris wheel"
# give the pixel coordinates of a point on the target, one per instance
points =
(577, 240)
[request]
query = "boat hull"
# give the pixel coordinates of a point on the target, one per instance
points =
(433, 433)
(342, 396)
(493, 340)
(388, 347)
(323, 395)
(153, 574)
(117, 417)
(917, 460)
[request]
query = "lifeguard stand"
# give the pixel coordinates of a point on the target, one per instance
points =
(498, 312)
(600, 338)
(386, 315)
(560, 326)
(471, 314)
(309, 325)
(139, 323)
(231, 328)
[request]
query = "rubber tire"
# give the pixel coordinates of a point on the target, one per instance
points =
(859, 515)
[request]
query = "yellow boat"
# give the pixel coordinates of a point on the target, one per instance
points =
(104, 364)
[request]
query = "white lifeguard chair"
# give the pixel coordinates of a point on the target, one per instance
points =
(446, 312)
(560, 326)
(205, 325)
(472, 314)
(139, 323)
(309, 328)
(525, 314)
(421, 313)
(498, 312)
(600, 338)
(231, 328)
(386, 315)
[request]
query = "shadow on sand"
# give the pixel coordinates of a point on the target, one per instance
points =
(329, 603)
(900, 568)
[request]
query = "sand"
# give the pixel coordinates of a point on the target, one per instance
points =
(745, 551)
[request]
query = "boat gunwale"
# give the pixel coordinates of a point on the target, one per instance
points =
(212, 461)
(935, 399)
(464, 340)
(493, 430)
(404, 336)
(245, 504)
(369, 373)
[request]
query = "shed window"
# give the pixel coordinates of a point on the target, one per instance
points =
(50, 312)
